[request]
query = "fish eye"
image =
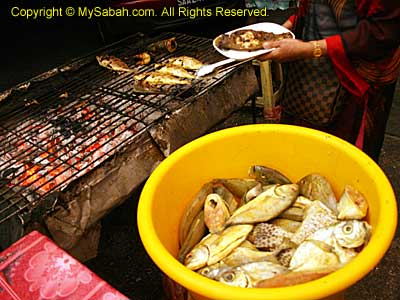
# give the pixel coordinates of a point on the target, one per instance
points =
(229, 276)
(205, 271)
(213, 203)
(347, 229)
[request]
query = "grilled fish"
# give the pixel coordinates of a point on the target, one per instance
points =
(113, 63)
(143, 58)
(157, 78)
(186, 62)
(175, 71)
(248, 39)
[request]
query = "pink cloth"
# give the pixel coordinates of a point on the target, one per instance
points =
(35, 268)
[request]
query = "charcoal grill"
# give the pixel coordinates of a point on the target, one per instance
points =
(60, 127)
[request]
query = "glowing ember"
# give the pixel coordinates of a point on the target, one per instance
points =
(49, 155)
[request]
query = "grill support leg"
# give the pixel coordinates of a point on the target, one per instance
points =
(269, 99)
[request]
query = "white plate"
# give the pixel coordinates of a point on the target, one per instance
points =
(266, 27)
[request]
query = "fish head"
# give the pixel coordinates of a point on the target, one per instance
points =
(235, 277)
(214, 270)
(197, 258)
(267, 175)
(215, 213)
(352, 233)
(102, 60)
(229, 239)
(317, 187)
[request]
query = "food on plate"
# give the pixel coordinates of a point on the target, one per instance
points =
(265, 231)
(248, 39)
(113, 63)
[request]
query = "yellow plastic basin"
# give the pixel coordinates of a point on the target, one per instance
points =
(295, 151)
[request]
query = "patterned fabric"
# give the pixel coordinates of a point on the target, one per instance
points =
(34, 268)
(312, 91)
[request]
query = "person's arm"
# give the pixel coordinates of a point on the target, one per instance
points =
(376, 35)
(294, 49)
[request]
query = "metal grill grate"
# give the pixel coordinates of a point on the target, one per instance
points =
(62, 129)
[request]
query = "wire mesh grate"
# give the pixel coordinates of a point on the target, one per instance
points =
(65, 127)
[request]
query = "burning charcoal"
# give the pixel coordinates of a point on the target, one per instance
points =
(66, 126)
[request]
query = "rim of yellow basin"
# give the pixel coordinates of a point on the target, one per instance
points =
(326, 286)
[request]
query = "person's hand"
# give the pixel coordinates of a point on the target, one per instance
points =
(287, 50)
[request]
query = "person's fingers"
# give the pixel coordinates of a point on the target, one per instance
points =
(271, 55)
(266, 56)
(269, 45)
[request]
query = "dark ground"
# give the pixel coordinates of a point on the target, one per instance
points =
(36, 47)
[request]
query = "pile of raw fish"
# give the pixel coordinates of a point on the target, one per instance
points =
(265, 231)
